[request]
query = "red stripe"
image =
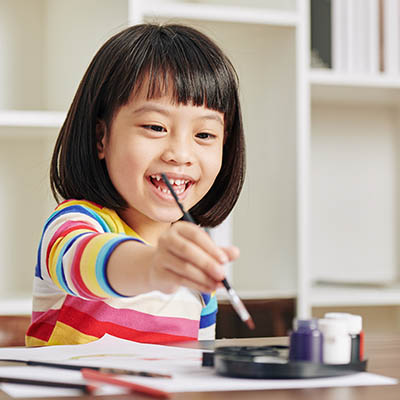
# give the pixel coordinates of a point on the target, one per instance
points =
(88, 325)
(76, 276)
(43, 326)
(62, 231)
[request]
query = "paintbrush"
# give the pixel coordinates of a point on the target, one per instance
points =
(54, 384)
(237, 304)
(115, 371)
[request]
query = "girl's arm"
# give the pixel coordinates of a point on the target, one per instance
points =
(184, 256)
(83, 254)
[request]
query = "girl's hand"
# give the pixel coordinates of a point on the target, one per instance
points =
(187, 256)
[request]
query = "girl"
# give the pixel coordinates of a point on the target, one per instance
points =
(114, 257)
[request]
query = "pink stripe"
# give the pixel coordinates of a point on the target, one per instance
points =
(135, 319)
(51, 316)
(36, 315)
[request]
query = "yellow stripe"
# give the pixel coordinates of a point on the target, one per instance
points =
(31, 341)
(77, 203)
(88, 263)
(64, 334)
(130, 232)
(52, 263)
(55, 252)
(112, 220)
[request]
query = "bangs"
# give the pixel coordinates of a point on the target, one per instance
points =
(184, 67)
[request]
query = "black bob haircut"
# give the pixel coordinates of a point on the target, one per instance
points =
(200, 74)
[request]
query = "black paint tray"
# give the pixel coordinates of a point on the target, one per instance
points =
(271, 362)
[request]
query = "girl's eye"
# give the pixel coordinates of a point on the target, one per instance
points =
(155, 128)
(205, 135)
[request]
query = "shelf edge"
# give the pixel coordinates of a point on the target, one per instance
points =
(31, 118)
(220, 13)
(330, 78)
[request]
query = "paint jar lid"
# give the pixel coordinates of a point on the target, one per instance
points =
(332, 326)
(354, 322)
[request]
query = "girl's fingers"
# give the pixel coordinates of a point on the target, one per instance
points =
(232, 252)
(189, 275)
(202, 239)
(189, 252)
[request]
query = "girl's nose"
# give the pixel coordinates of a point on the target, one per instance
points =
(178, 150)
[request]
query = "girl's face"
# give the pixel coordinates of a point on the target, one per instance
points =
(150, 137)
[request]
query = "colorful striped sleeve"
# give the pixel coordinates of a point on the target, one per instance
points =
(76, 244)
(208, 317)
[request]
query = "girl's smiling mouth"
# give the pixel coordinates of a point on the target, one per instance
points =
(180, 184)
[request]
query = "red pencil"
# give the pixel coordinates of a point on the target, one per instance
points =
(93, 375)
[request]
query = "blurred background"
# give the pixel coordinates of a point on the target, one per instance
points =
(318, 220)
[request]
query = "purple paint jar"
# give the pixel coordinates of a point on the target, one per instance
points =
(305, 341)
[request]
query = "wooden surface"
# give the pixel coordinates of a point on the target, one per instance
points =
(12, 329)
(383, 353)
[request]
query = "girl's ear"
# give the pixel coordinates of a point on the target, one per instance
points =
(100, 138)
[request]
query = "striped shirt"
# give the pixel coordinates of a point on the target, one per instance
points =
(73, 301)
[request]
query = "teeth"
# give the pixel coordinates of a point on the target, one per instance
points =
(163, 190)
(176, 182)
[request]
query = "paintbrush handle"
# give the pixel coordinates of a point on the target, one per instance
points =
(74, 367)
(36, 382)
(188, 217)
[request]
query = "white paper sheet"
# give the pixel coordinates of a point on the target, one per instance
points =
(184, 364)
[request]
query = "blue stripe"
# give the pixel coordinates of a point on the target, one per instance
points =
(56, 214)
(102, 259)
(208, 320)
(80, 210)
(38, 269)
(206, 297)
(37, 272)
(60, 268)
(210, 307)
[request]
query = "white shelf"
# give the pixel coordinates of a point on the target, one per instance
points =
(42, 119)
(222, 13)
(347, 295)
(330, 87)
(328, 77)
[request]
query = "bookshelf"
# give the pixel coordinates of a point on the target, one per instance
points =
(354, 167)
(319, 142)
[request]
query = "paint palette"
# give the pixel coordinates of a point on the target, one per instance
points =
(271, 362)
